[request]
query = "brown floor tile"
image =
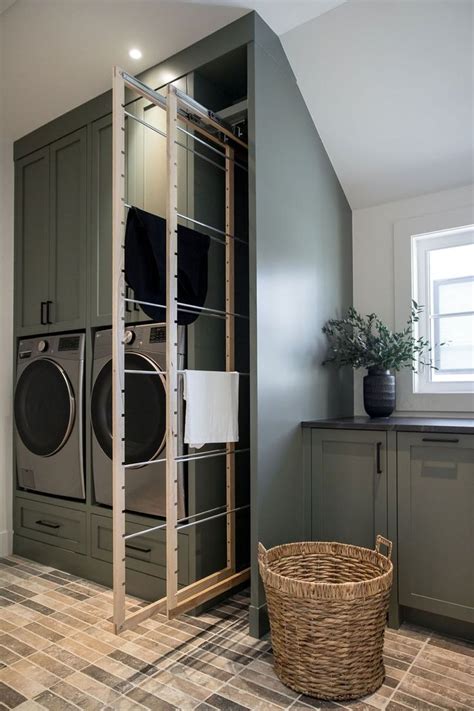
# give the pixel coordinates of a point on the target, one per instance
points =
(44, 631)
(417, 704)
(93, 643)
(106, 678)
(168, 694)
(269, 681)
(77, 697)
(196, 676)
(8, 657)
(231, 698)
(57, 640)
(262, 692)
(23, 684)
(37, 673)
(9, 697)
(452, 645)
(51, 665)
(15, 645)
(429, 692)
(182, 683)
(149, 701)
(64, 656)
(448, 690)
(93, 688)
(53, 702)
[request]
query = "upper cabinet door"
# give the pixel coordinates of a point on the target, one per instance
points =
(349, 486)
(100, 286)
(436, 523)
(68, 224)
(32, 242)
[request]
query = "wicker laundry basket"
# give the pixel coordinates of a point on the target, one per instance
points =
(328, 605)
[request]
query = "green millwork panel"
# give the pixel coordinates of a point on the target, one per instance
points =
(436, 523)
(100, 282)
(349, 486)
(32, 241)
(68, 225)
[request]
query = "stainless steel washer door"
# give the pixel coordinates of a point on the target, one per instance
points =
(145, 409)
(45, 407)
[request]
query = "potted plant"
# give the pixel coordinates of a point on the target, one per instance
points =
(365, 342)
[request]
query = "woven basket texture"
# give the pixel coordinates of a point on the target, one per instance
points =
(327, 604)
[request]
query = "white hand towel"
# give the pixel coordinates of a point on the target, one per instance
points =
(212, 407)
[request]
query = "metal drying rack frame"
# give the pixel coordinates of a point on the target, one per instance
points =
(178, 106)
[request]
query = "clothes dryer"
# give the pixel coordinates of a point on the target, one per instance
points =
(49, 415)
(145, 418)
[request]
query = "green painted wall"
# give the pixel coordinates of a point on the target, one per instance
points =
(300, 275)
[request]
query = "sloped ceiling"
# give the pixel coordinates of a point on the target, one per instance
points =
(5, 4)
(389, 84)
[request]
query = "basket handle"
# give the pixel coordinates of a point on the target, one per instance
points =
(262, 554)
(380, 540)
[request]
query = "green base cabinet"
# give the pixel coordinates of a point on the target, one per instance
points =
(436, 523)
(348, 486)
(412, 480)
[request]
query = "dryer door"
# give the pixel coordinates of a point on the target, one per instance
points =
(45, 407)
(145, 409)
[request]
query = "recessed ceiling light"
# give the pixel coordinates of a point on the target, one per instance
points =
(135, 54)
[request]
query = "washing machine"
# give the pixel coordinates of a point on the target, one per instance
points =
(49, 415)
(145, 419)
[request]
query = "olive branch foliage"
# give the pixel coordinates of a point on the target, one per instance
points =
(365, 342)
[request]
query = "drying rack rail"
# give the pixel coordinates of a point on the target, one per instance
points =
(198, 120)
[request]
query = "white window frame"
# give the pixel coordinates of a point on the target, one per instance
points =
(408, 400)
(421, 245)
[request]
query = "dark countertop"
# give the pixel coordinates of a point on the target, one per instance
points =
(399, 424)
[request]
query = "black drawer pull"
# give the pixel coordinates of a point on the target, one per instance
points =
(379, 458)
(453, 440)
(48, 313)
(42, 315)
(127, 303)
(138, 548)
(48, 524)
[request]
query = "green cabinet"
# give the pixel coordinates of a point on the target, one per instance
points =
(348, 486)
(32, 240)
(50, 228)
(436, 523)
(100, 233)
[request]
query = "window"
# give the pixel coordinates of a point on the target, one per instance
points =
(443, 282)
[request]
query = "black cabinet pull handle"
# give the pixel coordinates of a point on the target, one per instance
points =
(379, 458)
(127, 296)
(48, 315)
(452, 440)
(138, 548)
(48, 524)
(136, 307)
(43, 317)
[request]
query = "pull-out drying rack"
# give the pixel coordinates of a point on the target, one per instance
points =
(218, 138)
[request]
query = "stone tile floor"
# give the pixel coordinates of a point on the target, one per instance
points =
(57, 651)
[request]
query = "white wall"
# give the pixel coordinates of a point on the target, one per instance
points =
(6, 316)
(373, 258)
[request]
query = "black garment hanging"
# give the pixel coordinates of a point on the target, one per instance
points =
(145, 264)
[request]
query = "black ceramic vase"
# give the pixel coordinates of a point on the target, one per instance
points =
(379, 392)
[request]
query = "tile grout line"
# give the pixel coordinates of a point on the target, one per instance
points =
(407, 671)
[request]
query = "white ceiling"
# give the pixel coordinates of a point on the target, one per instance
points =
(5, 4)
(388, 82)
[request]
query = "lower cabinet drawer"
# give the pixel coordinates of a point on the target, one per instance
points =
(55, 525)
(145, 554)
